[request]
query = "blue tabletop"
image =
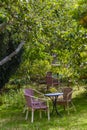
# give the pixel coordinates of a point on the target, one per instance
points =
(53, 94)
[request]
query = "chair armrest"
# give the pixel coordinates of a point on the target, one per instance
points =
(69, 94)
(38, 92)
(34, 97)
(44, 99)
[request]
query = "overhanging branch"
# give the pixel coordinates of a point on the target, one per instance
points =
(8, 58)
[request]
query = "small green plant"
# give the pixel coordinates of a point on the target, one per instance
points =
(13, 98)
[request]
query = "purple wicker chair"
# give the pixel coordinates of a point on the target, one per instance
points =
(67, 98)
(35, 103)
(50, 80)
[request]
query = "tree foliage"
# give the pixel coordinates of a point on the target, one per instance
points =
(48, 28)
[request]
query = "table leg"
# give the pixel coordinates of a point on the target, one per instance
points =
(54, 101)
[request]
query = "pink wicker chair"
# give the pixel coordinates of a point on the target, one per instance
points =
(34, 103)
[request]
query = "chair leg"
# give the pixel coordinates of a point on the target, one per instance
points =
(68, 108)
(73, 106)
(48, 114)
(26, 117)
(32, 117)
(24, 109)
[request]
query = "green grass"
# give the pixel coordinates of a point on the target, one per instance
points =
(13, 118)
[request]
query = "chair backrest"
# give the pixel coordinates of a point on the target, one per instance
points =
(49, 78)
(28, 100)
(67, 93)
(29, 91)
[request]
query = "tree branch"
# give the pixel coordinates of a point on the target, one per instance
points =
(8, 58)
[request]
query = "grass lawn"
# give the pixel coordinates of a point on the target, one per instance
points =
(13, 118)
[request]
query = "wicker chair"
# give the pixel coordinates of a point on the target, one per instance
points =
(34, 103)
(66, 100)
(50, 80)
